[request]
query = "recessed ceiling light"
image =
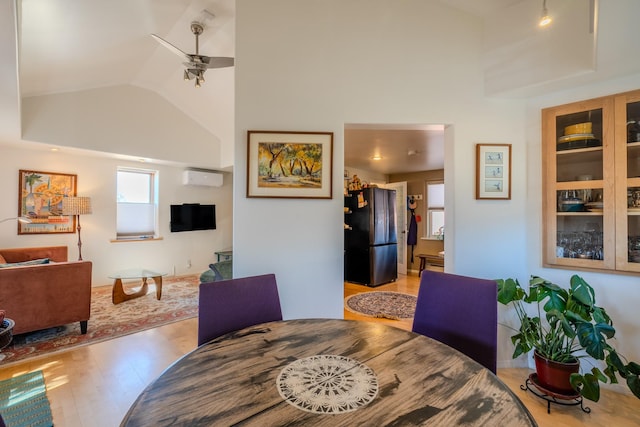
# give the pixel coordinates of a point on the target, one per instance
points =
(55, 149)
(377, 157)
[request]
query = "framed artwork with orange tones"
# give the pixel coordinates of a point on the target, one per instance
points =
(289, 164)
(40, 197)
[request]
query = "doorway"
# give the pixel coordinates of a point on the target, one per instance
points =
(388, 154)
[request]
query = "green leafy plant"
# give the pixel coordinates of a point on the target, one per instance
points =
(573, 326)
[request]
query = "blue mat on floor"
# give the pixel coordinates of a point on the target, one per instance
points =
(23, 401)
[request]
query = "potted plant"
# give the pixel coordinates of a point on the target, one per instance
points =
(572, 328)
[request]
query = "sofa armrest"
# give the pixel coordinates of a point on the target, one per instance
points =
(46, 295)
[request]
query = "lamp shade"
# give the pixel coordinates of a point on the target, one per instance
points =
(76, 205)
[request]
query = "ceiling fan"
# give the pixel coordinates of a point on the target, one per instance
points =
(196, 64)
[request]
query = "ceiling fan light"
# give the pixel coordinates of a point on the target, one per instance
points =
(186, 75)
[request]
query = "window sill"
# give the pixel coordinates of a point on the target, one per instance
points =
(135, 239)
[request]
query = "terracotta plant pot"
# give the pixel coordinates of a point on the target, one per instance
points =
(554, 376)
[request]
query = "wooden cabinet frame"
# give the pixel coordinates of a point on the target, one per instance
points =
(560, 170)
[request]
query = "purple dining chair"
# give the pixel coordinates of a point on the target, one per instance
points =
(230, 305)
(461, 312)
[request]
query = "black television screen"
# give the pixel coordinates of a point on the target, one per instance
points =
(193, 216)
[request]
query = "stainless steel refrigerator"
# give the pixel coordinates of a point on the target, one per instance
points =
(370, 239)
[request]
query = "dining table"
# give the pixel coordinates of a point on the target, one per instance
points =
(326, 372)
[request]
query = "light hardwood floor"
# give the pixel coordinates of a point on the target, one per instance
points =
(95, 385)
(613, 409)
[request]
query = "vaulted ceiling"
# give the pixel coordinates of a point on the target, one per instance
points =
(75, 45)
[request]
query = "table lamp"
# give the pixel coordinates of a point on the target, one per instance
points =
(77, 206)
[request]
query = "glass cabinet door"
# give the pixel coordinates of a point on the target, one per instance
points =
(579, 197)
(628, 181)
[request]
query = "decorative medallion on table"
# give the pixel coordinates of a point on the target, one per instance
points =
(290, 164)
(493, 171)
(40, 197)
(327, 384)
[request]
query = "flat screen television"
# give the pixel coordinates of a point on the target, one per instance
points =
(193, 216)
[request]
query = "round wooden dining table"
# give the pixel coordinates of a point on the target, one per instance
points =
(326, 372)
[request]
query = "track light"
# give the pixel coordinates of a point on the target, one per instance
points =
(545, 19)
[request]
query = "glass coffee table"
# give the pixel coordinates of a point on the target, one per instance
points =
(118, 294)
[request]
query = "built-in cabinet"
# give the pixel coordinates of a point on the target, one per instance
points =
(591, 183)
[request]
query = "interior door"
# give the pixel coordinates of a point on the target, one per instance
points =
(401, 222)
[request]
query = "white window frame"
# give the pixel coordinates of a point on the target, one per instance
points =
(148, 227)
(434, 208)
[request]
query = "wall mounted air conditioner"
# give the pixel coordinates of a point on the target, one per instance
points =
(206, 179)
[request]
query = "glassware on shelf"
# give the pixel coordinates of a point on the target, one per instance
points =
(581, 244)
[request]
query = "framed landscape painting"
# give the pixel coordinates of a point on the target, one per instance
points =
(289, 164)
(493, 171)
(40, 197)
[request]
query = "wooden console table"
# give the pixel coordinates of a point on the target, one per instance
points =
(429, 259)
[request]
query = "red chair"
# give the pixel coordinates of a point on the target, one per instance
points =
(230, 305)
(461, 312)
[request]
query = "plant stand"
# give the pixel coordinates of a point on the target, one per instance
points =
(552, 397)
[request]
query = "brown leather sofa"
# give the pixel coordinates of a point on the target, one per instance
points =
(45, 295)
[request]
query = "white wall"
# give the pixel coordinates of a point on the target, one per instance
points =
(97, 179)
(123, 120)
(325, 63)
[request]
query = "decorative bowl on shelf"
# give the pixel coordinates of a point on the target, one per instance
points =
(575, 137)
(571, 205)
(585, 127)
(580, 143)
(594, 206)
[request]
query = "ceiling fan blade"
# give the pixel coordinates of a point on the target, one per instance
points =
(218, 61)
(172, 48)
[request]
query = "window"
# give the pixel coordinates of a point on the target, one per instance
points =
(137, 211)
(435, 210)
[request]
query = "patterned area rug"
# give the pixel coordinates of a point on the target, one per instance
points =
(179, 301)
(23, 401)
(388, 305)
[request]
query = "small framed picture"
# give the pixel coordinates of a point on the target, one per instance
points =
(493, 171)
(289, 164)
